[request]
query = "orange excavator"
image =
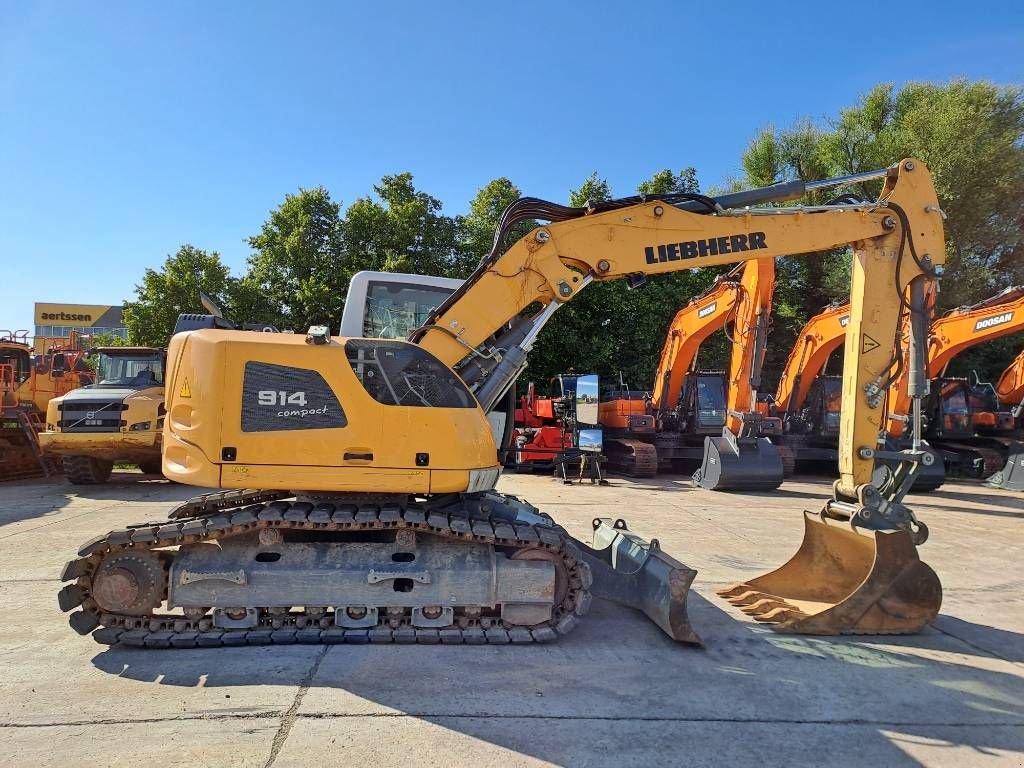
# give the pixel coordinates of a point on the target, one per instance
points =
(703, 415)
(28, 382)
(1007, 424)
(644, 430)
(807, 401)
(954, 415)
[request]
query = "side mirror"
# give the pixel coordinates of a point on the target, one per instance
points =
(591, 440)
(586, 399)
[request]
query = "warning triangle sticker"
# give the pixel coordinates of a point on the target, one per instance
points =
(866, 345)
(186, 392)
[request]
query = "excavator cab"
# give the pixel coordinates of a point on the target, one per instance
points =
(704, 406)
(825, 402)
(951, 418)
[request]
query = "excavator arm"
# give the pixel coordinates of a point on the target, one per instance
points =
(741, 458)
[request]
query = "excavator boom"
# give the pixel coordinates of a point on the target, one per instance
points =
(376, 518)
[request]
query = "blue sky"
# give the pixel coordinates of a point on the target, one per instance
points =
(127, 130)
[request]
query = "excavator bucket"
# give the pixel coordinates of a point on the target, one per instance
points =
(632, 572)
(844, 582)
(1011, 476)
(748, 464)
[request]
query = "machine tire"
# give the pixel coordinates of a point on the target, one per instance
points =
(151, 467)
(86, 470)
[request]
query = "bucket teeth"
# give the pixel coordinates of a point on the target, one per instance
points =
(733, 591)
(779, 614)
(763, 606)
(746, 598)
(841, 581)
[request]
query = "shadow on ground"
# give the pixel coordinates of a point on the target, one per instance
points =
(618, 672)
(42, 498)
(981, 503)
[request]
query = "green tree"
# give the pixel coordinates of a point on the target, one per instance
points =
(403, 230)
(667, 182)
(171, 290)
(297, 272)
(970, 134)
(593, 190)
(479, 224)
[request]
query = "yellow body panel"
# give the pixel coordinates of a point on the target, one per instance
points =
(204, 415)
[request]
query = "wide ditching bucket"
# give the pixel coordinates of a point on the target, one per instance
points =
(739, 464)
(842, 582)
(635, 573)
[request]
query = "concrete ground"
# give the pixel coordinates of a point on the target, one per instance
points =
(615, 692)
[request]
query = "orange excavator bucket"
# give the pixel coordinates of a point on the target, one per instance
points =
(842, 581)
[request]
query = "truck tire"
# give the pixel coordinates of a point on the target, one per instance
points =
(85, 470)
(151, 467)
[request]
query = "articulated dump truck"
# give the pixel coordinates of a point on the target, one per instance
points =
(357, 474)
(117, 419)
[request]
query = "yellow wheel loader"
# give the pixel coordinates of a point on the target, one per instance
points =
(358, 474)
(117, 419)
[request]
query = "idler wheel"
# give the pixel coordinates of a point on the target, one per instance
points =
(129, 582)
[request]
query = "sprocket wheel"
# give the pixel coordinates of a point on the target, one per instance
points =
(130, 582)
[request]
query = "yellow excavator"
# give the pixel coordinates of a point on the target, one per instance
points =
(359, 502)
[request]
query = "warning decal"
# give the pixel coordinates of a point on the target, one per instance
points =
(867, 344)
(185, 391)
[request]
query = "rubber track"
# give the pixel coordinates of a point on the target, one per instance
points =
(992, 460)
(174, 631)
(788, 461)
(635, 458)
